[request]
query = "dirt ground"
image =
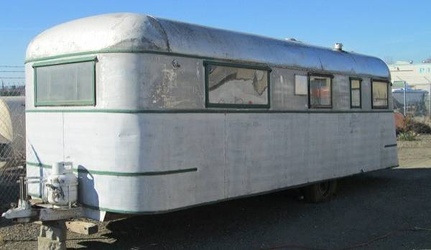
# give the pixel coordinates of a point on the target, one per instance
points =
(387, 209)
(416, 153)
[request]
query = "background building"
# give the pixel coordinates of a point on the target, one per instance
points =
(418, 76)
(411, 84)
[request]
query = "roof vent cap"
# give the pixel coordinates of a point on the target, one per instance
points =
(338, 46)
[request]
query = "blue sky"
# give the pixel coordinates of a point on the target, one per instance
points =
(391, 30)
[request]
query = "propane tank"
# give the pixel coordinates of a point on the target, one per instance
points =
(62, 185)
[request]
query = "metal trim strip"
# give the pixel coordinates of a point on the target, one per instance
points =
(200, 111)
(122, 174)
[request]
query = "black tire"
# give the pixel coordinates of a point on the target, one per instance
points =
(320, 192)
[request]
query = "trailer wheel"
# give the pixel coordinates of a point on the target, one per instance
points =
(320, 192)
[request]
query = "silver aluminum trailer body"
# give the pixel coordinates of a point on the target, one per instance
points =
(143, 113)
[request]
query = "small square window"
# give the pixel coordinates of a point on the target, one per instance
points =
(320, 92)
(379, 93)
(301, 85)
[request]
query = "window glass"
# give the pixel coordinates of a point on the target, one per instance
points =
(65, 84)
(301, 85)
(355, 93)
(227, 85)
(379, 94)
(320, 92)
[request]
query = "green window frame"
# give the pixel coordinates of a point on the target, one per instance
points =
(355, 92)
(65, 82)
(230, 85)
(379, 94)
(319, 91)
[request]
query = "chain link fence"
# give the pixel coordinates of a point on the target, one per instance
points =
(12, 144)
(412, 102)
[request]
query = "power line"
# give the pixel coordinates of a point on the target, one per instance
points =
(10, 66)
(12, 71)
(12, 77)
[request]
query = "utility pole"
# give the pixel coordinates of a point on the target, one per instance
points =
(405, 98)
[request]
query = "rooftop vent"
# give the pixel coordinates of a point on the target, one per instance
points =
(338, 46)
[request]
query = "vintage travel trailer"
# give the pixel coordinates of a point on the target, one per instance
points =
(157, 115)
(12, 130)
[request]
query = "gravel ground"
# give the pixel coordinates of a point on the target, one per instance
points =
(387, 209)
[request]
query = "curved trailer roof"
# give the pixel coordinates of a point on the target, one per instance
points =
(129, 32)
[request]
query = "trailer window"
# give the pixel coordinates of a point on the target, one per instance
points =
(66, 83)
(301, 83)
(379, 91)
(236, 86)
(355, 93)
(320, 92)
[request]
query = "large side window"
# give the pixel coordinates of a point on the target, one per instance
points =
(320, 91)
(65, 83)
(236, 86)
(355, 93)
(379, 94)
